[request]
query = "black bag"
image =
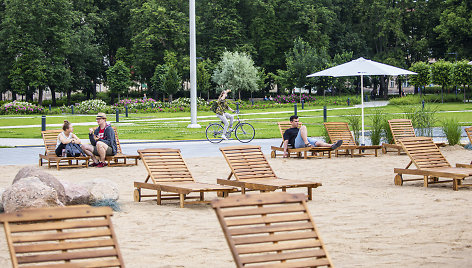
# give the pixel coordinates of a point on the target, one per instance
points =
(73, 150)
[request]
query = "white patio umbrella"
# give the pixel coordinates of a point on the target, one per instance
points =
(361, 67)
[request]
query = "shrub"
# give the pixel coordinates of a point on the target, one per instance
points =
(21, 107)
(89, 107)
(354, 121)
(378, 120)
(452, 130)
(422, 119)
(186, 102)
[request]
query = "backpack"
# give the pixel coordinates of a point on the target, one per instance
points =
(73, 150)
(214, 106)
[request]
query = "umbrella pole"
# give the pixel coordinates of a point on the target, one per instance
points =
(362, 108)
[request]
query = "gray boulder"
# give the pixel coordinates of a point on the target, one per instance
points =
(29, 192)
(76, 193)
(47, 178)
(102, 189)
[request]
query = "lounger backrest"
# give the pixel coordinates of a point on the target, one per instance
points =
(165, 165)
(271, 229)
(247, 162)
(50, 140)
(401, 128)
(340, 131)
(423, 152)
(468, 130)
(118, 145)
(67, 236)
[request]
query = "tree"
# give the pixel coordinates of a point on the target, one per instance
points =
(236, 71)
(118, 79)
(423, 75)
(204, 77)
(462, 74)
(158, 80)
(440, 75)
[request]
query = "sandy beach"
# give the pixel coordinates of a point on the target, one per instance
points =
(363, 218)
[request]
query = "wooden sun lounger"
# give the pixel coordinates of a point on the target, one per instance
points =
(271, 230)
(252, 171)
(308, 152)
(50, 142)
(168, 172)
(430, 163)
(120, 159)
(341, 131)
(77, 236)
(400, 129)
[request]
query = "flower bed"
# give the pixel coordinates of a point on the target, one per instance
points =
(21, 107)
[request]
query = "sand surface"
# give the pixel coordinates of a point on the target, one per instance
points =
(364, 219)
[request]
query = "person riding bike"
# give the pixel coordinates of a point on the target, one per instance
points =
(221, 108)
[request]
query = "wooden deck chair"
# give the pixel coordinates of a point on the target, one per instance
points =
(271, 230)
(341, 131)
(50, 142)
(297, 152)
(252, 171)
(168, 172)
(430, 163)
(76, 236)
(400, 129)
(120, 159)
(469, 134)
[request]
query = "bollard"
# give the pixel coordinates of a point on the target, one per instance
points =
(366, 98)
(348, 102)
(117, 115)
(152, 105)
(72, 108)
(43, 123)
(126, 110)
(303, 104)
(237, 107)
(252, 101)
(325, 114)
(49, 107)
(294, 109)
(422, 104)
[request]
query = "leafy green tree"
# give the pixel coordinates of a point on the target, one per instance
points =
(236, 71)
(204, 77)
(158, 80)
(118, 79)
(440, 74)
(462, 74)
(423, 75)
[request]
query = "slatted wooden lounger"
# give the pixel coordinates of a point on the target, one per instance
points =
(271, 230)
(430, 163)
(400, 128)
(297, 152)
(120, 159)
(252, 171)
(469, 134)
(168, 172)
(50, 142)
(77, 236)
(341, 131)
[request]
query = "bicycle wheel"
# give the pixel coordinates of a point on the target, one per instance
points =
(214, 132)
(245, 132)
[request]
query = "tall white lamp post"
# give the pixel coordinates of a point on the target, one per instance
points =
(193, 68)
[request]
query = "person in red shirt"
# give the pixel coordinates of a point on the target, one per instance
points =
(103, 142)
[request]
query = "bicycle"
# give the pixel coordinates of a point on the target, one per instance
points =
(244, 132)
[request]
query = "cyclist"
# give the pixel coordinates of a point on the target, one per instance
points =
(220, 111)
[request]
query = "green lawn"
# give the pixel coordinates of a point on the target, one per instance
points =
(173, 126)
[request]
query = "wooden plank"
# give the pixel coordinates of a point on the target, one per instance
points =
(68, 256)
(64, 246)
(312, 243)
(297, 226)
(274, 238)
(57, 236)
(56, 213)
(264, 210)
(57, 225)
(323, 262)
(254, 199)
(283, 256)
(266, 220)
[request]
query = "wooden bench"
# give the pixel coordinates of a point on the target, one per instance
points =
(252, 171)
(271, 230)
(430, 164)
(340, 131)
(77, 236)
(50, 142)
(168, 172)
(308, 152)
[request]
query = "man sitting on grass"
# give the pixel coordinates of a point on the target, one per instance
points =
(298, 137)
(103, 142)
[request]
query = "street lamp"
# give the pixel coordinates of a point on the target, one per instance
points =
(193, 68)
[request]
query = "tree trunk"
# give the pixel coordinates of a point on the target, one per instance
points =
(13, 96)
(208, 95)
(399, 88)
(40, 95)
(384, 86)
(416, 90)
(53, 95)
(69, 93)
(170, 98)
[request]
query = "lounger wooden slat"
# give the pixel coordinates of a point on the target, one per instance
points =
(77, 236)
(50, 157)
(340, 131)
(431, 165)
(258, 176)
(307, 152)
(120, 159)
(172, 179)
(257, 240)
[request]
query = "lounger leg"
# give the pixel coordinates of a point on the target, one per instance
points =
(284, 189)
(182, 199)
(202, 196)
(425, 184)
(243, 190)
(455, 184)
(310, 193)
(159, 193)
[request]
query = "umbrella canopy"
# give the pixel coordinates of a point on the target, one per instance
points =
(361, 67)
